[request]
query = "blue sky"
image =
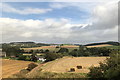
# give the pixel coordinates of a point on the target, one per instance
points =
(59, 22)
(70, 11)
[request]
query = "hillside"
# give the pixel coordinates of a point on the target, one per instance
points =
(101, 45)
(24, 44)
(64, 64)
(104, 43)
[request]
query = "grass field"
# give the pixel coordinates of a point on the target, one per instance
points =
(10, 67)
(113, 47)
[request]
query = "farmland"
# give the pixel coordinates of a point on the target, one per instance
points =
(59, 68)
(59, 60)
(102, 45)
(10, 67)
(52, 48)
(63, 65)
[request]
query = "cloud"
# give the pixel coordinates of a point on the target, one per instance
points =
(48, 29)
(103, 27)
(8, 8)
(105, 16)
(78, 5)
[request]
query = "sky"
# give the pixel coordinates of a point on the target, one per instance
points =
(59, 22)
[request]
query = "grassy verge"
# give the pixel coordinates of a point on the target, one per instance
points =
(51, 75)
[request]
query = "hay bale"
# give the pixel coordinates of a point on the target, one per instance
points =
(79, 67)
(72, 69)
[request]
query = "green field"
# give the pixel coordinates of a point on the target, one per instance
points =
(113, 47)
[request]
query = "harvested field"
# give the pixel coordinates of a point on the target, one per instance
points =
(102, 45)
(64, 64)
(10, 67)
(51, 48)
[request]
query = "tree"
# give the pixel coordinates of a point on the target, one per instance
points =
(12, 51)
(41, 50)
(63, 50)
(33, 58)
(109, 69)
(37, 51)
(46, 51)
(52, 56)
(31, 51)
(74, 53)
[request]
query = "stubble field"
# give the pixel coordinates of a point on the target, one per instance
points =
(10, 67)
(64, 64)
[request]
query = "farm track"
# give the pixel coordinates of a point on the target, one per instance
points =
(10, 67)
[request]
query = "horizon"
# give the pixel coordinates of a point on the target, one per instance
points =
(60, 43)
(59, 22)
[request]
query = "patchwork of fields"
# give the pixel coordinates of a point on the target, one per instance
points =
(61, 65)
(51, 48)
(70, 47)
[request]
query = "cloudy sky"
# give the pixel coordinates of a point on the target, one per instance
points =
(59, 22)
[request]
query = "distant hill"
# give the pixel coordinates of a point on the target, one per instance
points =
(25, 44)
(22, 43)
(104, 43)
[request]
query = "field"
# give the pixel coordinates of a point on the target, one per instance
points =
(64, 64)
(70, 47)
(60, 66)
(10, 67)
(52, 48)
(102, 45)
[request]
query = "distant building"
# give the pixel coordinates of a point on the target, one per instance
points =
(41, 59)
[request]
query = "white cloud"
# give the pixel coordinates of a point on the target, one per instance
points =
(25, 11)
(26, 34)
(103, 27)
(16, 29)
(105, 16)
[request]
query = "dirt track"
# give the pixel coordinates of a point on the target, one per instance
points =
(10, 67)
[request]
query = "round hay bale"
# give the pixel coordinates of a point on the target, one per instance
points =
(72, 69)
(79, 67)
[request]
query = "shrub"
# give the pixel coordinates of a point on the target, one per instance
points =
(24, 71)
(95, 72)
(31, 66)
(21, 57)
(28, 58)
